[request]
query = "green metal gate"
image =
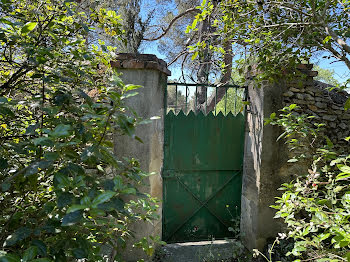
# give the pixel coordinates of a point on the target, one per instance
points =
(202, 173)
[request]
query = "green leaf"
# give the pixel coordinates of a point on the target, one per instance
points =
(61, 131)
(72, 218)
(326, 40)
(3, 163)
(64, 199)
(347, 104)
(325, 202)
(5, 21)
(129, 190)
(5, 186)
(85, 201)
(88, 153)
(129, 95)
(30, 26)
(139, 139)
(42, 249)
(113, 204)
(30, 253)
(74, 208)
(343, 168)
(31, 129)
(34, 168)
(321, 216)
(97, 212)
(10, 258)
(342, 176)
(52, 156)
(131, 87)
(324, 236)
(292, 106)
(194, 23)
(20, 234)
(118, 183)
(347, 256)
(346, 196)
(79, 253)
(194, 56)
(103, 197)
(61, 179)
(108, 156)
(43, 141)
(6, 111)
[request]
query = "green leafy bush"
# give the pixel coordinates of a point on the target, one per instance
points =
(62, 188)
(316, 206)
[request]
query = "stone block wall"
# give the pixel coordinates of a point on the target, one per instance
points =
(315, 98)
(265, 158)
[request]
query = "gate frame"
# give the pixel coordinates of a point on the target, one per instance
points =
(244, 99)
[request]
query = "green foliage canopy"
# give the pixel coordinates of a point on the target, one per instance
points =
(277, 35)
(326, 76)
(62, 188)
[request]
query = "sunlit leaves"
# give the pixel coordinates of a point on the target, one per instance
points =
(347, 104)
(60, 104)
(277, 35)
(30, 26)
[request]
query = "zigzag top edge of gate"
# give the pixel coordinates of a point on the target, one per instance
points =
(191, 113)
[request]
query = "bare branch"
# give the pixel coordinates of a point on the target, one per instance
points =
(165, 31)
(217, 96)
(337, 54)
(291, 7)
(288, 24)
(336, 38)
(24, 69)
(177, 57)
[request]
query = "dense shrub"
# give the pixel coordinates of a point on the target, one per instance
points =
(315, 206)
(62, 188)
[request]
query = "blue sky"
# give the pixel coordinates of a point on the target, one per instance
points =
(341, 72)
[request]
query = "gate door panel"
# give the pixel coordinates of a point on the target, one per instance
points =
(202, 175)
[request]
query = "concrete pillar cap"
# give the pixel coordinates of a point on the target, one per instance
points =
(140, 61)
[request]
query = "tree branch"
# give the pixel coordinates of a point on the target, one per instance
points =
(287, 24)
(220, 92)
(291, 7)
(171, 23)
(177, 57)
(338, 55)
(336, 38)
(20, 72)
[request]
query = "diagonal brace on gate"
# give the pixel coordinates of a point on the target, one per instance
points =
(202, 204)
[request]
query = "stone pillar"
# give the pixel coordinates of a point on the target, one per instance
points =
(263, 159)
(151, 73)
(265, 165)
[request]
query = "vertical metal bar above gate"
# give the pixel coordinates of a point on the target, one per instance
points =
(185, 97)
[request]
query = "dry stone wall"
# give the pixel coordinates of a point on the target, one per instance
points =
(316, 99)
(265, 157)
